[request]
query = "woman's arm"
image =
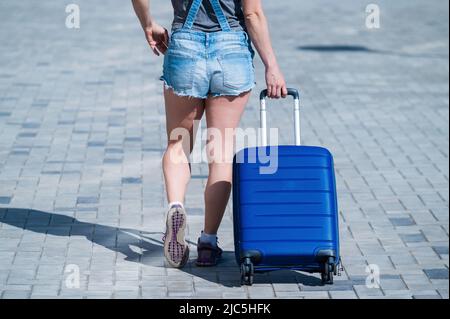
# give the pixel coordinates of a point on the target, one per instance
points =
(259, 33)
(157, 36)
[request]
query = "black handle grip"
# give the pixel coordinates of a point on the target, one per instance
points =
(292, 92)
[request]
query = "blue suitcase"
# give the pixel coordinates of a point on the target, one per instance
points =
(288, 219)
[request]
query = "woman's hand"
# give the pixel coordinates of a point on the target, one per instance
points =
(259, 33)
(157, 38)
(276, 85)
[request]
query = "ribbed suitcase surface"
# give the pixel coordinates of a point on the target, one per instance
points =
(290, 216)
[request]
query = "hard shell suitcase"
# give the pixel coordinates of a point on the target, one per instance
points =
(288, 219)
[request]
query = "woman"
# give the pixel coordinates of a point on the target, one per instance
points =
(207, 70)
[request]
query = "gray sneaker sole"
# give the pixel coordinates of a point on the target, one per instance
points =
(176, 249)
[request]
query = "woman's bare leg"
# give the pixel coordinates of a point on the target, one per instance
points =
(181, 112)
(222, 113)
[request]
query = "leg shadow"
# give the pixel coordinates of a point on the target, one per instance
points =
(133, 244)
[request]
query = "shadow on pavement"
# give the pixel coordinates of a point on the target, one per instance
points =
(227, 274)
(336, 48)
(344, 48)
(117, 239)
(122, 240)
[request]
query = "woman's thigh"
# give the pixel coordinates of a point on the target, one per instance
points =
(223, 115)
(181, 115)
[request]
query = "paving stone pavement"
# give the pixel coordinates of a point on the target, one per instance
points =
(82, 133)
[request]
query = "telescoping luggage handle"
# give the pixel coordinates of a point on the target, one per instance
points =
(295, 94)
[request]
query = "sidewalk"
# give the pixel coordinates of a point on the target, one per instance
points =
(82, 131)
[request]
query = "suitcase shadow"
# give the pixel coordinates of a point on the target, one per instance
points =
(227, 274)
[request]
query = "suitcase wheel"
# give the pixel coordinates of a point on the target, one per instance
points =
(328, 271)
(247, 272)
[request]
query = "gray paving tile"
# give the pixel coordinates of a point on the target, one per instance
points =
(437, 273)
(441, 250)
(87, 200)
(402, 221)
(5, 200)
(413, 238)
(132, 180)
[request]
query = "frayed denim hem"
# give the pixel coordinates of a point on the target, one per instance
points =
(167, 86)
(182, 94)
(238, 93)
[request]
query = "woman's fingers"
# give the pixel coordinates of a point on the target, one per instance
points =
(272, 91)
(284, 91)
(158, 43)
(163, 43)
(276, 85)
(152, 44)
(276, 91)
(154, 48)
(162, 47)
(278, 94)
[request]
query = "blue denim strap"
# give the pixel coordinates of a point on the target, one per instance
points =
(224, 25)
(192, 14)
(193, 11)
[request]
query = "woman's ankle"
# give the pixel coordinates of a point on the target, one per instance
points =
(206, 238)
(176, 204)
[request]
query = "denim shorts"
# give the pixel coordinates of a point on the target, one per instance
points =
(199, 64)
